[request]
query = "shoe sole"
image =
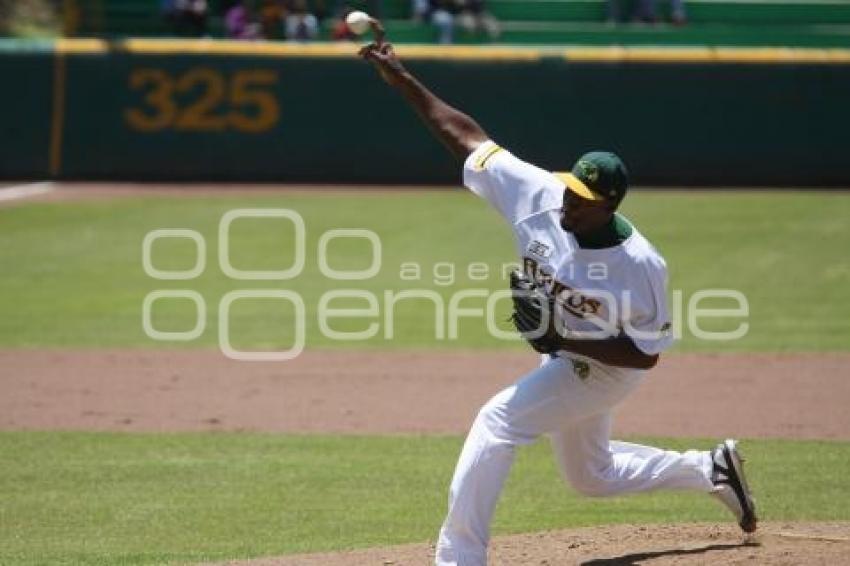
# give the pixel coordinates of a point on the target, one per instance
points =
(735, 463)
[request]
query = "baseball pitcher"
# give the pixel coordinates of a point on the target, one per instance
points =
(592, 299)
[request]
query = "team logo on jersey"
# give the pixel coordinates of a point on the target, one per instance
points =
(572, 300)
(576, 302)
(539, 249)
(589, 170)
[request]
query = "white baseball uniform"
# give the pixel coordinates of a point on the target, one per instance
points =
(570, 397)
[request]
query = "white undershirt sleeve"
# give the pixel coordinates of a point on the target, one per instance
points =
(517, 189)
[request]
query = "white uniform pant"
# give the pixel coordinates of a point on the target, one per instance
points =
(576, 413)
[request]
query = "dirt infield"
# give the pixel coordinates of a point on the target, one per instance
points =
(775, 544)
(765, 395)
(419, 392)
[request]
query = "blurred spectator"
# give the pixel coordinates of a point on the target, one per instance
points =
(272, 16)
(475, 17)
(339, 29)
(320, 9)
(440, 14)
(471, 15)
(241, 21)
(188, 17)
(36, 18)
(301, 25)
(645, 11)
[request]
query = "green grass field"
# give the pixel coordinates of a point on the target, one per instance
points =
(72, 277)
(72, 273)
(79, 498)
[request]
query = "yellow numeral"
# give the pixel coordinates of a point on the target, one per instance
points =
(242, 95)
(250, 107)
(198, 115)
(159, 99)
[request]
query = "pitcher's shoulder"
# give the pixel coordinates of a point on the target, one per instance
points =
(643, 252)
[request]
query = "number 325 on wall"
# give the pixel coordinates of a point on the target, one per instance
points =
(204, 100)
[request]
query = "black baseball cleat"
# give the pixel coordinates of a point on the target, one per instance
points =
(730, 485)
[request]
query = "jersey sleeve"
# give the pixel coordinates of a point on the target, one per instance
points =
(649, 325)
(515, 188)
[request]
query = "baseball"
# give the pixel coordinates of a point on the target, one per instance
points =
(358, 22)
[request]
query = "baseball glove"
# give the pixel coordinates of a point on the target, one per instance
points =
(534, 314)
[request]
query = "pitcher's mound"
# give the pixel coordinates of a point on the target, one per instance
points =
(774, 543)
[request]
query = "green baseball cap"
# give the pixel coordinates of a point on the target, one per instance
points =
(597, 175)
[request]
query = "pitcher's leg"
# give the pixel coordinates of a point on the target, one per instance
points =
(479, 475)
(596, 466)
(516, 415)
(547, 399)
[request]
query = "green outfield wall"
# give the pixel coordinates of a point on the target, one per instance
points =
(219, 111)
(26, 111)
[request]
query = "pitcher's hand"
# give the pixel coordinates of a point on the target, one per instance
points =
(383, 57)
